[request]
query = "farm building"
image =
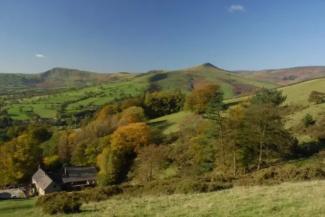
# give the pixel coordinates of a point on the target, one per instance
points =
(43, 183)
(79, 177)
(71, 178)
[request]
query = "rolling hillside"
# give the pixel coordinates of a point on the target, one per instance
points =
(81, 90)
(286, 76)
(97, 89)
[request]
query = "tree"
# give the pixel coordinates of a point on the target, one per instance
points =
(269, 96)
(157, 104)
(195, 150)
(149, 161)
(116, 159)
(199, 99)
(213, 112)
(233, 128)
(264, 135)
(19, 158)
(132, 115)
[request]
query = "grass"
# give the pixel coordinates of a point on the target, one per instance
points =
(298, 95)
(169, 123)
(75, 99)
(304, 199)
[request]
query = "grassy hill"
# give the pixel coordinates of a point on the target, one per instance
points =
(288, 199)
(231, 83)
(297, 96)
(286, 76)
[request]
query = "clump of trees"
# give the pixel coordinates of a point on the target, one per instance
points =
(162, 103)
(20, 156)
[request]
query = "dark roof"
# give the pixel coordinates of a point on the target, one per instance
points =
(77, 174)
(42, 179)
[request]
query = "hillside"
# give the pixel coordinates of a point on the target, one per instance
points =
(99, 89)
(185, 79)
(286, 76)
(56, 78)
(297, 95)
(288, 199)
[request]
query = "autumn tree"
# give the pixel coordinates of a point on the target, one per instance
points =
(233, 123)
(131, 115)
(199, 99)
(20, 157)
(149, 162)
(116, 159)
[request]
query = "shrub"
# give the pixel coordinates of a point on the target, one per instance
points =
(99, 193)
(308, 120)
(276, 175)
(59, 203)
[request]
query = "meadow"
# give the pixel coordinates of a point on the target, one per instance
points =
(303, 199)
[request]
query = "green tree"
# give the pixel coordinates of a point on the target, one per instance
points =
(269, 96)
(157, 104)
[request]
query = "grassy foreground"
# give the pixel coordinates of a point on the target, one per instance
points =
(303, 199)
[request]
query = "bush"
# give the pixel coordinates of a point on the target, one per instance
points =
(308, 120)
(99, 193)
(276, 175)
(59, 203)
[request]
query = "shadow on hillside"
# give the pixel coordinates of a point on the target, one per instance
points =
(308, 149)
(160, 125)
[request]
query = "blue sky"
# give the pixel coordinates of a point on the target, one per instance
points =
(139, 35)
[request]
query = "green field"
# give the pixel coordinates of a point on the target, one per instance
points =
(297, 95)
(304, 199)
(75, 100)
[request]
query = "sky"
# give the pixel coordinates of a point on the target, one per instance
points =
(142, 35)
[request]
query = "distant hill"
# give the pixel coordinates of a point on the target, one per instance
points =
(57, 78)
(286, 76)
(185, 79)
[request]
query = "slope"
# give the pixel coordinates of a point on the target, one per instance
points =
(232, 84)
(286, 76)
(288, 199)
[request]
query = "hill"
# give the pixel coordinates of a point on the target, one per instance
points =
(96, 89)
(56, 78)
(288, 199)
(185, 79)
(286, 76)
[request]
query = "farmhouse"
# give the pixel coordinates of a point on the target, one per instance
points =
(71, 178)
(43, 183)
